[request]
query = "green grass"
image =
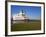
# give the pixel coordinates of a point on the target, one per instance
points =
(26, 26)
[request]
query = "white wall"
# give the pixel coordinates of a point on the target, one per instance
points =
(2, 21)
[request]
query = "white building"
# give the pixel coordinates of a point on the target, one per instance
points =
(20, 17)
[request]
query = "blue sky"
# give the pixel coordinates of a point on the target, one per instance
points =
(33, 12)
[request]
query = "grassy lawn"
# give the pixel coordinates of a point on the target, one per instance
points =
(26, 26)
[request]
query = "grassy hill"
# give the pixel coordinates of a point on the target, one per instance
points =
(31, 25)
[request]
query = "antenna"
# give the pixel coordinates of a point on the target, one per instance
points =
(22, 11)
